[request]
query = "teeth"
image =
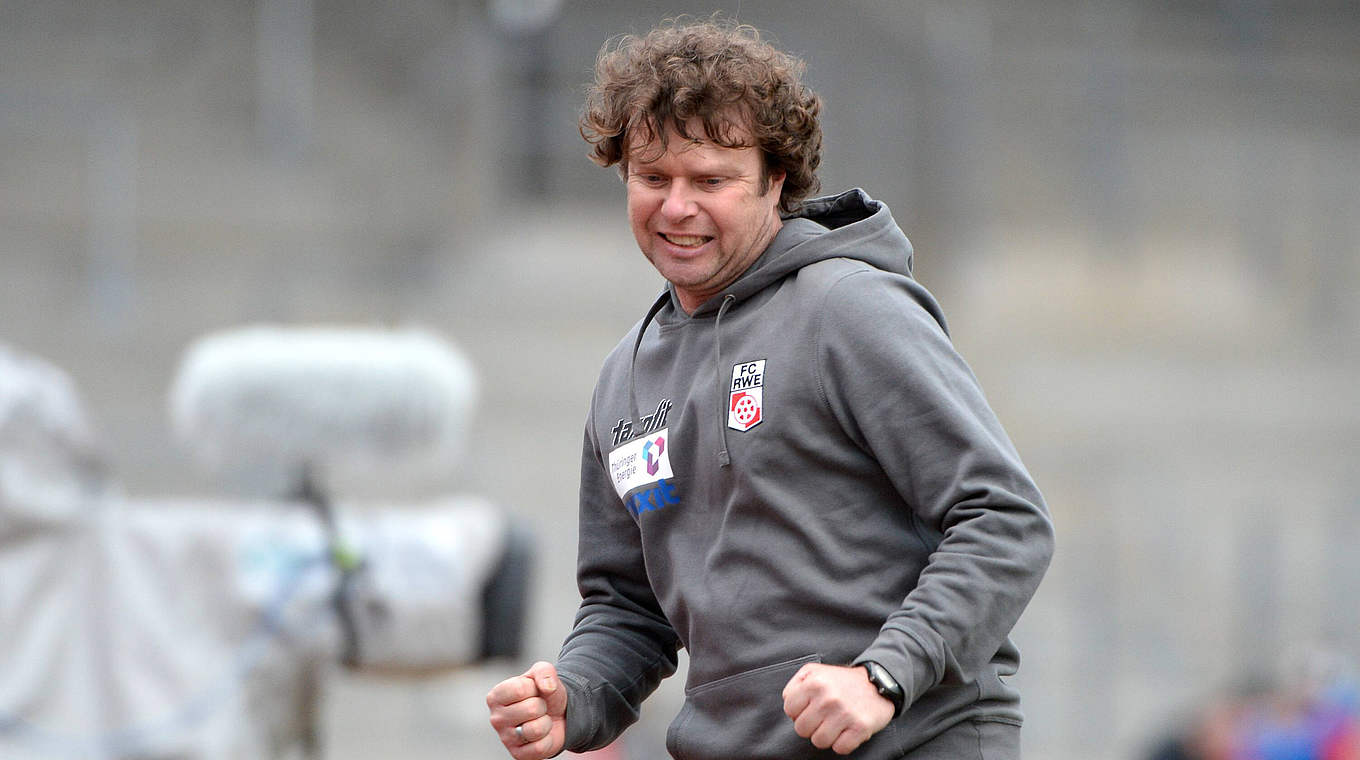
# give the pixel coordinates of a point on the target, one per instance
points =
(686, 240)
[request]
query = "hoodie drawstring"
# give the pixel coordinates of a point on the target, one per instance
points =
(637, 345)
(724, 459)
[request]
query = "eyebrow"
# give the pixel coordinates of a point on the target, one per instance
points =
(719, 166)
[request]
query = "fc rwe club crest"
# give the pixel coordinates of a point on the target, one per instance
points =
(745, 402)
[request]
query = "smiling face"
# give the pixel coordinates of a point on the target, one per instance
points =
(701, 213)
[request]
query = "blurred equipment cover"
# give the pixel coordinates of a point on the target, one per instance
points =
(202, 628)
(265, 407)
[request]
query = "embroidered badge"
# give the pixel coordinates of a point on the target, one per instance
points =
(745, 401)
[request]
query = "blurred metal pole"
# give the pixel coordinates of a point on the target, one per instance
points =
(1108, 193)
(526, 33)
(284, 70)
(958, 42)
(1250, 23)
(529, 71)
(1333, 309)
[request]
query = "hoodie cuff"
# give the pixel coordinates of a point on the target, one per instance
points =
(582, 721)
(906, 661)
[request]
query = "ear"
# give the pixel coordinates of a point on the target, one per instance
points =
(774, 182)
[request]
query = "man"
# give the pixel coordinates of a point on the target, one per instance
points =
(787, 468)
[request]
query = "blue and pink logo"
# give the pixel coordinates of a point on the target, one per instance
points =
(652, 451)
(641, 471)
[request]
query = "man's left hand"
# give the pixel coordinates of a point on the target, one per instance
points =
(835, 706)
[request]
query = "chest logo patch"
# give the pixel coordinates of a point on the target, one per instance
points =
(641, 462)
(745, 400)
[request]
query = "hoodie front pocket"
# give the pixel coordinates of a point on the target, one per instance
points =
(742, 716)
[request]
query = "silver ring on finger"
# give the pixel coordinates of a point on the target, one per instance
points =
(519, 734)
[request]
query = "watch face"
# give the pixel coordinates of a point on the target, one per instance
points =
(887, 686)
(880, 677)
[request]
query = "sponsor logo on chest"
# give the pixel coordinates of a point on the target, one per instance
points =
(641, 472)
(623, 429)
(745, 398)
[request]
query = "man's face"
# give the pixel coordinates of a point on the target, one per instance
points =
(699, 214)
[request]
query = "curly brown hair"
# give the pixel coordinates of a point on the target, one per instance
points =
(717, 73)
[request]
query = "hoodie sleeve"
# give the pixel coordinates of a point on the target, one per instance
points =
(621, 645)
(901, 391)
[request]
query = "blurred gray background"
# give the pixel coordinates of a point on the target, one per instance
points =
(1142, 219)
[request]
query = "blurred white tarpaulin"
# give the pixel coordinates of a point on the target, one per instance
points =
(203, 628)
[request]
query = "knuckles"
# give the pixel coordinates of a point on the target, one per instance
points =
(820, 699)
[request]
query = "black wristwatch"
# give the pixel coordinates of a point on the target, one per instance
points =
(887, 686)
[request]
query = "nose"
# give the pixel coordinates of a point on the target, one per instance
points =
(679, 201)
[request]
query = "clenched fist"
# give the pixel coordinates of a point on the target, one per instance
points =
(529, 713)
(835, 706)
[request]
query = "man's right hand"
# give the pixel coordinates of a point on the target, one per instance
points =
(536, 704)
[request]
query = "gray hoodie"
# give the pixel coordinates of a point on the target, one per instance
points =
(803, 470)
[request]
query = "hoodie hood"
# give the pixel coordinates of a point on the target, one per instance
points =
(849, 225)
